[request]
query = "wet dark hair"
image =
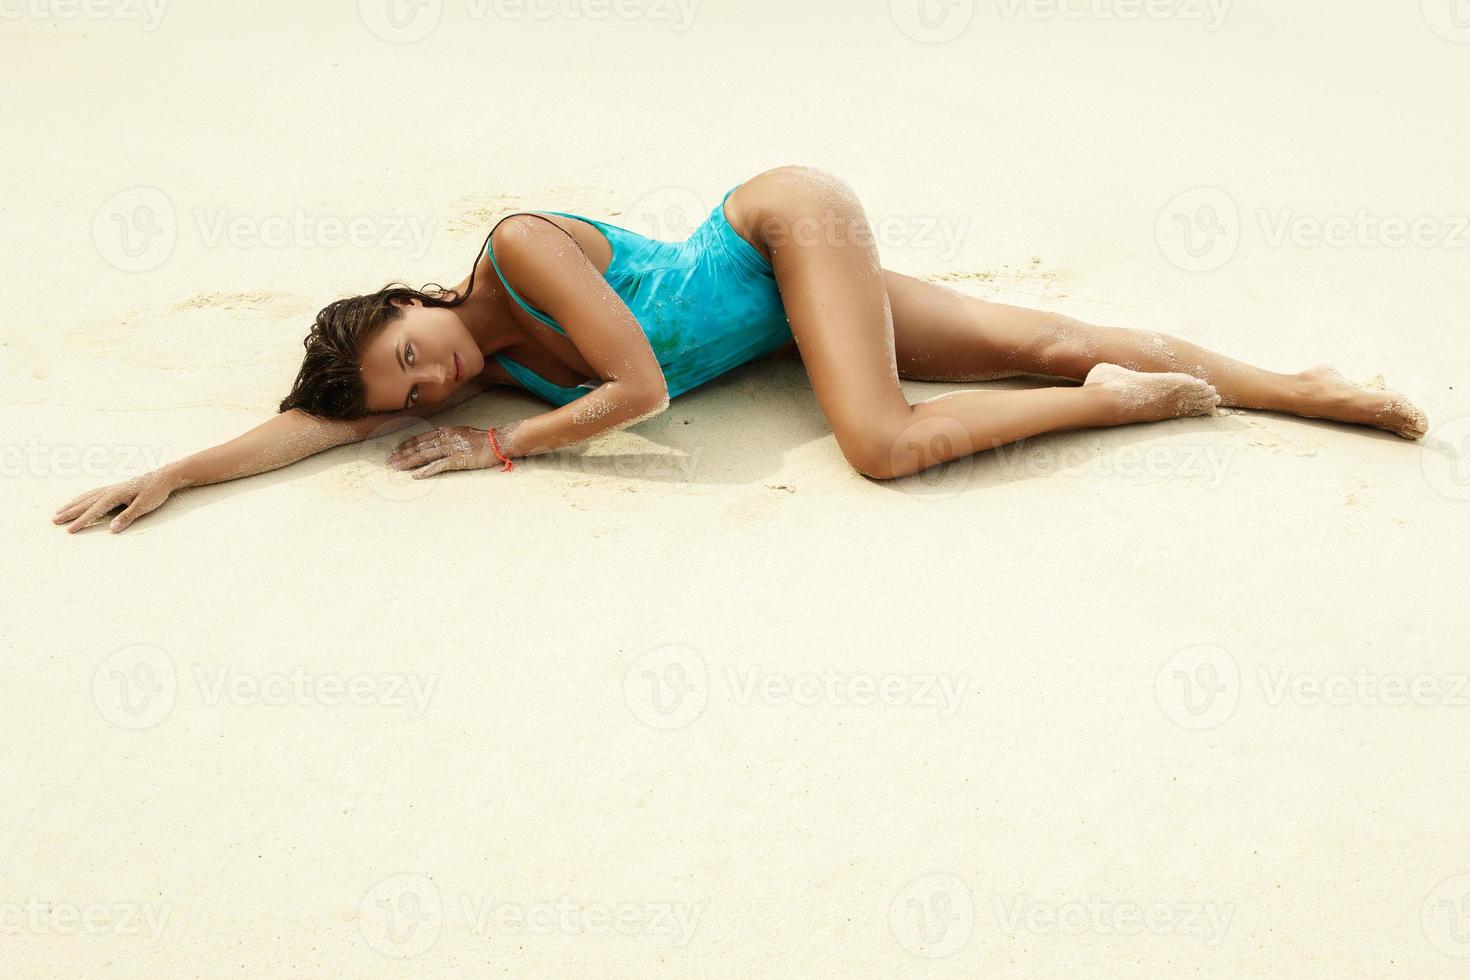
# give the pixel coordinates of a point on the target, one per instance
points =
(329, 384)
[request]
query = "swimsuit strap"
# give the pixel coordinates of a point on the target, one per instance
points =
(532, 381)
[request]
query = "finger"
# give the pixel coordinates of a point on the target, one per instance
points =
(405, 446)
(76, 506)
(424, 454)
(71, 512)
(412, 443)
(141, 505)
(77, 499)
(433, 469)
(93, 514)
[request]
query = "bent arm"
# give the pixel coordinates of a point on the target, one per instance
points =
(611, 405)
(568, 287)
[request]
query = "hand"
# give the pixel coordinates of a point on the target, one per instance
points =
(141, 494)
(456, 447)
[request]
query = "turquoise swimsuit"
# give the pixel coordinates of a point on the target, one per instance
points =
(707, 304)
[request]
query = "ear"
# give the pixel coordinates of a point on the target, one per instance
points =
(401, 302)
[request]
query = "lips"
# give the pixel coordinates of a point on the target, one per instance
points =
(458, 368)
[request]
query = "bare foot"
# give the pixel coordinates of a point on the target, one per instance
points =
(1148, 397)
(1328, 395)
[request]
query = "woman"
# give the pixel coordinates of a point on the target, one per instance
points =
(612, 329)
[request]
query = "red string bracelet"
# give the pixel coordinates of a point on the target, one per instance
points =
(499, 455)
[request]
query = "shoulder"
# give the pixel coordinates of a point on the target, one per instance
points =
(517, 236)
(536, 254)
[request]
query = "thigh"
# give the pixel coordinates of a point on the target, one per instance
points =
(941, 334)
(821, 248)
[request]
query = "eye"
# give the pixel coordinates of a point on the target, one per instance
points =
(408, 354)
(413, 395)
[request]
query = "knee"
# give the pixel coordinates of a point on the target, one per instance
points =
(874, 465)
(874, 451)
(1065, 348)
(907, 442)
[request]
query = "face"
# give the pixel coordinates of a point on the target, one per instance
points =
(418, 359)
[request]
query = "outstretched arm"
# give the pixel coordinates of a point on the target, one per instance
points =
(282, 439)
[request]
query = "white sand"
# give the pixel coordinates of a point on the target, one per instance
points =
(1063, 813)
